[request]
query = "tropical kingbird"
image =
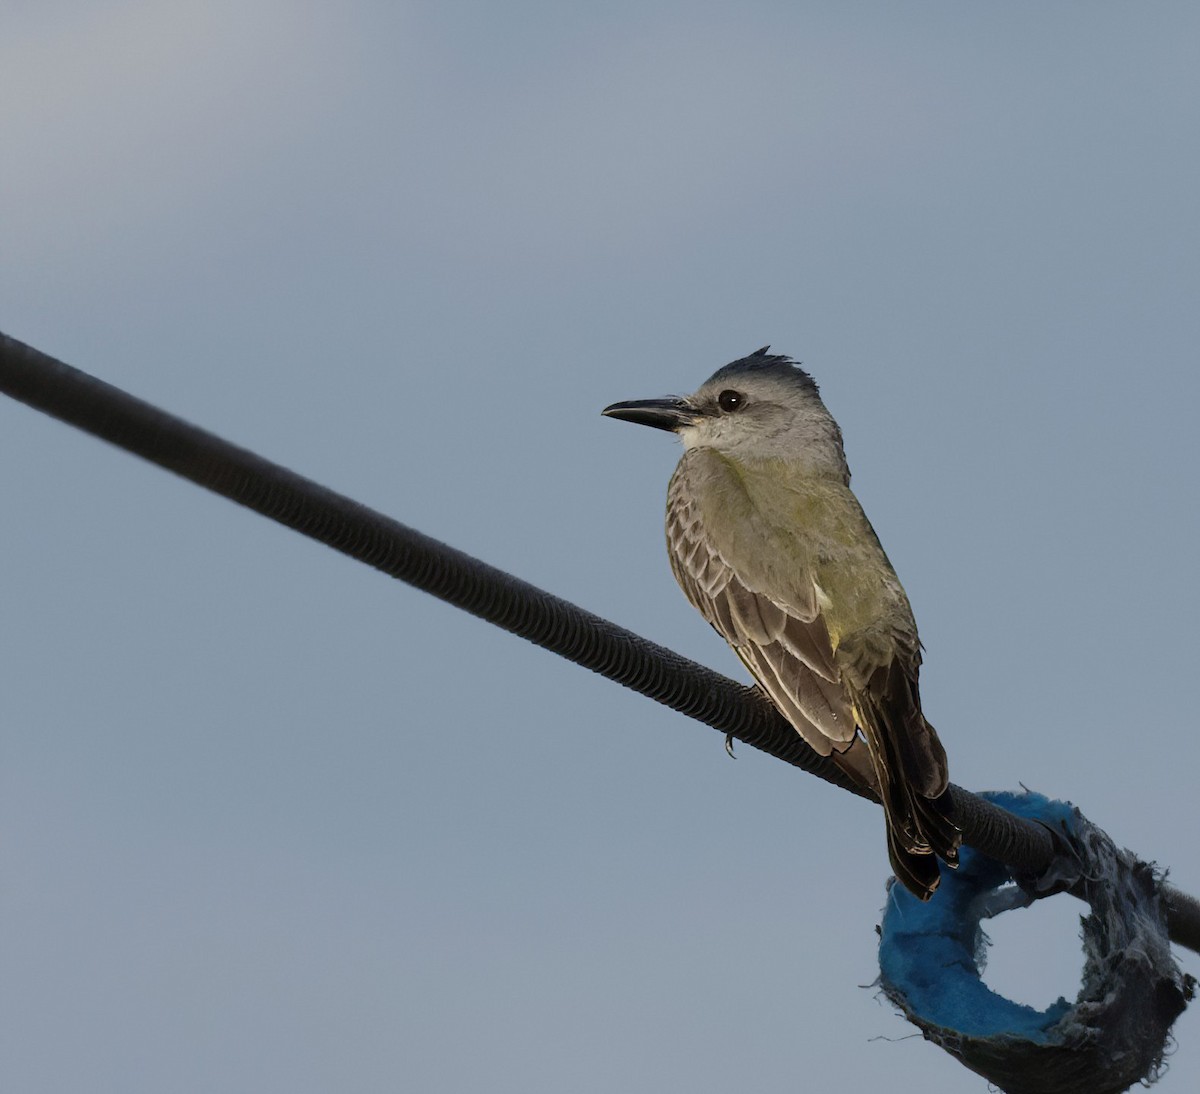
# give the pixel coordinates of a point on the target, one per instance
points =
(774, 550)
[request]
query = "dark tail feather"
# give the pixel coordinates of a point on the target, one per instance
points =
(917, 871)
(911, 771)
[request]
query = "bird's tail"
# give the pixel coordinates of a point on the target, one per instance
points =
(910, 775)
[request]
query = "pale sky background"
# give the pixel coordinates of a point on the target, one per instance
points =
(271, 822)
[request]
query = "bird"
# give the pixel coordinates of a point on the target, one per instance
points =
(770, 544)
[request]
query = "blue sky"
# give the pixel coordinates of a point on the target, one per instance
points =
(269, 821)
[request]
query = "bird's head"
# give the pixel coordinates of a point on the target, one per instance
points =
(759, 407)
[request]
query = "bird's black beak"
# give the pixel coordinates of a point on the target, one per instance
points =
(670, 413)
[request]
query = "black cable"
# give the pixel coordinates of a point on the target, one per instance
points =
(362, 533)
(401, 552)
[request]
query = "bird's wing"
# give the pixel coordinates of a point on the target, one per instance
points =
(783, 641)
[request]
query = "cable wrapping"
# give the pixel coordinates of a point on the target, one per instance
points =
(931, 957)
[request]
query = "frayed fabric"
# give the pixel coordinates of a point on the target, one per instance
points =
(931, 958)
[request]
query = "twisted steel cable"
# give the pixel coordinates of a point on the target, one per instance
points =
(555, 624)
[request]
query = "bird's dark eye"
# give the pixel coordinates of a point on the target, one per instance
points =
(731, 400)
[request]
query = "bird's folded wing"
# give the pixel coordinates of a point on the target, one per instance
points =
(782, 640)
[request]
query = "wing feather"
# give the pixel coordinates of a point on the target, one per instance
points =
(785, 646)
(859, 703)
